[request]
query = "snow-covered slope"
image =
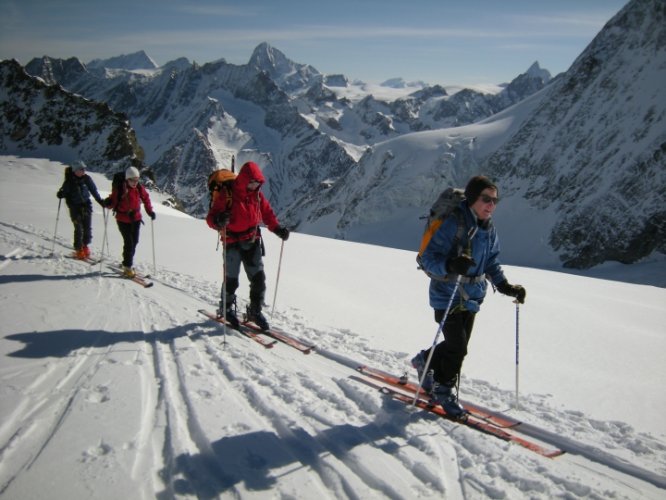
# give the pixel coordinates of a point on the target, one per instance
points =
(110, 390)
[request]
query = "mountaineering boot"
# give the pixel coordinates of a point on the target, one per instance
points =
(419, 362)
(80, 254)
(230, 314)
(86, 251)
(443, 395)
(129, 272)
(254, 314)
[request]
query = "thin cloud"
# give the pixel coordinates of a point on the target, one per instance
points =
(313, 33)
(217, 10)
(562, 23)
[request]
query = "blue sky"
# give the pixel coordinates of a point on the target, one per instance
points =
(437, 41)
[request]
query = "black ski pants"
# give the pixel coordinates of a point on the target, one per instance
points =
(449, 354)
(130, 233)
(81, 216)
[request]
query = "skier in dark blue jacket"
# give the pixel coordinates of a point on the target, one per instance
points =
(471, 262)
(77, 189)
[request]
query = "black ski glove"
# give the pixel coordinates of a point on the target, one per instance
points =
(282, 233)
(221, 219)
(108, 202)
(60, 194)
(460, 265)
(151, 215)
(516, 291)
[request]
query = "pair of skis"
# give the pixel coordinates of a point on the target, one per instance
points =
(477, 417)
(88, 260)
(405, 391)
(255, 333)
(139, 279)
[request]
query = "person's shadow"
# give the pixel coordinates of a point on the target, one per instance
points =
(251, 459)
(247, 459)
(61, 343)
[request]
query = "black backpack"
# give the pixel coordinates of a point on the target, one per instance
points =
(118, 185)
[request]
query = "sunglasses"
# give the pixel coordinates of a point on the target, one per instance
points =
(488, 199)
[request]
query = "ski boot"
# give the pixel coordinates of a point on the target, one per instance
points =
(419, 362)
(443, 395)
(229, 315)
(254, 314)
(129, 272)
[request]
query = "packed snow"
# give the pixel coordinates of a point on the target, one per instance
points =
(110, 390)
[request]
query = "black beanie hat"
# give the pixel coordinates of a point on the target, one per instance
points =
(475, 186)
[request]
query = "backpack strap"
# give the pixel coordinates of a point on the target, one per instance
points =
(460, 231)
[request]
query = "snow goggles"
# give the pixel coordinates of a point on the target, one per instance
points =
(488, 199)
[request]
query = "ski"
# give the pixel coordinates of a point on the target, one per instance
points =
(243, 330)
(282, 337)
(403, 383)
(139, 279)
(87, 260)
(469, 420)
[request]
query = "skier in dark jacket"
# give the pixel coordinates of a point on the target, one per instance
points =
(77, 189)
(474, 260)
(238, 226)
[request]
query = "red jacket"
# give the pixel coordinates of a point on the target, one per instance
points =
(128, 208)
(248, 208)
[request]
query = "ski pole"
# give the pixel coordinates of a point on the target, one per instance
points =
(277, 280)
(55, 232)
(440, 329)
(105, 241)
(106, 218)
(517, 348)
(152, 234)
(223, 234)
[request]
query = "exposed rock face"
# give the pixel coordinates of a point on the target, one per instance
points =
(38, 117)
(595, 150)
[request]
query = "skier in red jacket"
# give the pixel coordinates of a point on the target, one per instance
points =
(238, 224)
(126, 199)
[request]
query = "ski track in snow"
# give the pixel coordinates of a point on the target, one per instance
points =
(225, 417)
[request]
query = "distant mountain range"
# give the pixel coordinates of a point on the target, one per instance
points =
(579, 158)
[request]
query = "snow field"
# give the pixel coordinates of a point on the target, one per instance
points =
(111, 390)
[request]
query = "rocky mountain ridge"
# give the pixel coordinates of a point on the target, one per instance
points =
(43, 119)
(365, 168)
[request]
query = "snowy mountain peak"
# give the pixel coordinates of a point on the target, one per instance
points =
(535, 71)
(288, 74)
(401, 83)
(593, 150)
(134, 61)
